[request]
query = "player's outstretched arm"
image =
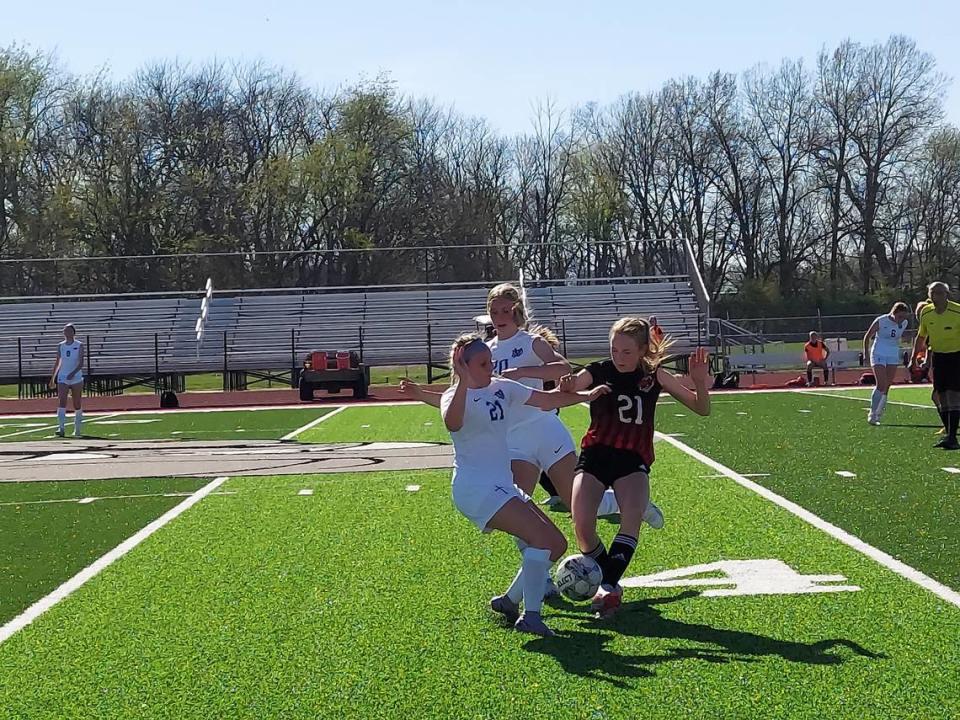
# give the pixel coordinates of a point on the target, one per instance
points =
(554, 367)
(575, 383)
(416, 392)
(556, 399)
(699, 372)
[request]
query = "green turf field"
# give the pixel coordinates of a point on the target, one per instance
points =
(367, 598)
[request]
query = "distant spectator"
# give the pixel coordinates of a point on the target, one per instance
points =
(656, 332)
(816, 353)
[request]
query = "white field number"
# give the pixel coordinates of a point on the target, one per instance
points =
(728, 578)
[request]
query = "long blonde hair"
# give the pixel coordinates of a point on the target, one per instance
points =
(639, 330)
(509, 292)
(462, 341)
(547, 334)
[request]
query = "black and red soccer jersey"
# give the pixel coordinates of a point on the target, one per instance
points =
(623, 418)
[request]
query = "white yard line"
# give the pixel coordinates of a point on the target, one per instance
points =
(239, 408)
(97, 498)
(92, 570)
(863, 399)
(313, 423)
(888, 561)
(92, 419)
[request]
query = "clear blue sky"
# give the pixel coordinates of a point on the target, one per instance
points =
(489, 58)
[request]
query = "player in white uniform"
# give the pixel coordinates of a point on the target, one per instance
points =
(67, 378)
(477, 411)
(885, 355)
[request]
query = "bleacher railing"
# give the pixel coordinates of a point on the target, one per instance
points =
(341, 267)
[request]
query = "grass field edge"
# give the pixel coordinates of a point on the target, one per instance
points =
(88, 573)
(899, 567)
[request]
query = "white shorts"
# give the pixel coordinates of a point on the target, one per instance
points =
(885, 356)
(479, 497)
(541, 442)
(75, 380)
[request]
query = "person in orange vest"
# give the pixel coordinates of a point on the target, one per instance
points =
(816, 353)
(656, 332)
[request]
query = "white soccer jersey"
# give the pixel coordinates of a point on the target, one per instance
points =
(480, 446)
(71, 356)
(516, 352)
(888, 334)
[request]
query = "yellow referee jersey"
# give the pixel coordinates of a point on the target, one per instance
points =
(942, 330)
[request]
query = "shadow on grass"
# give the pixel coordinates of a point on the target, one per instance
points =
(585, 653)
(912, 425)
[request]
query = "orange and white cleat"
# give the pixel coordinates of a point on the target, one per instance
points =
(606, 602)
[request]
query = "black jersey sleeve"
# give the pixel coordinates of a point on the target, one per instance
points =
(599, 373)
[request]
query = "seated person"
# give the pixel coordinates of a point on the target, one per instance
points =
(816, 352)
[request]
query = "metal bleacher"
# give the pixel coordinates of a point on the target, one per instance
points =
(142, 338)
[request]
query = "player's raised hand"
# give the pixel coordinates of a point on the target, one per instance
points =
(699, 366)
(460, 365)
(598, 392)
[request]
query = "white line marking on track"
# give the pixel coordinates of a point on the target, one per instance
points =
(54, 427)
(314, 422)
(844, 473)
(952, 470)
(864, 399)
(305, 491)
(92, 570)
(746, 475)
(85, 501)
(237, 408)
(805, 411)
(888, 561)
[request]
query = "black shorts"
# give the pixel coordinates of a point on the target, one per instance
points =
(608, 464)
(946, 371)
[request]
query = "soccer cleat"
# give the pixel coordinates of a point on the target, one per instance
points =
(551, 590)
(653, 516)
(873, 419)
(606, 602)
(950, 444)
(60, 433)
(552, 501)
(505, 606)
(531, 622)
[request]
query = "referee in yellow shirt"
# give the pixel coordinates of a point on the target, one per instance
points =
(940, 329)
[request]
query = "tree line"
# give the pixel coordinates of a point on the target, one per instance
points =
(833, 181)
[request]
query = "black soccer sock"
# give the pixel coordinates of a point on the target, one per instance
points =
(953, 421)
(826, 376)
(621, 552)
(809, 375)
(943, 417)
(599, 553)
(547, 485)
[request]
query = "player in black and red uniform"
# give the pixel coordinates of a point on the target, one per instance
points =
(617, 450)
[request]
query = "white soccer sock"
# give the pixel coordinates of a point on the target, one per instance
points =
(883, 405)
(608, 504)
(61, 417)
(875, 401)
(77, 421)
(536, 563)
(515, 591)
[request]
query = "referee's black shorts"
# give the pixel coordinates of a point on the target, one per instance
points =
(946, 371)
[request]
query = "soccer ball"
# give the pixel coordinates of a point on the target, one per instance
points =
(579, 577)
